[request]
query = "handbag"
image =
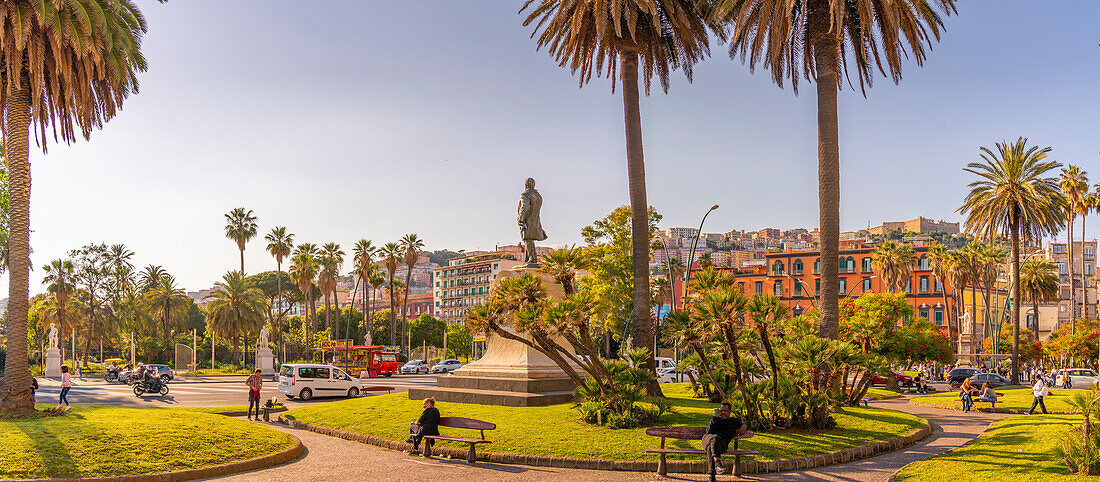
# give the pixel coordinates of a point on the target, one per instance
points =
(415, 428)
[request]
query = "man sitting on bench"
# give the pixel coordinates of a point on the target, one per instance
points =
(427, 424)
(720, 432)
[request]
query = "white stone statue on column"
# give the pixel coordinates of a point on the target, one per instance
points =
(265, 360)
(263, 337)
(53, 353)
(368, 339)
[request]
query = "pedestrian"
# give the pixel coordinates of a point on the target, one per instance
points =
(1066, 382)
(720, 431)
(427, 424)
(34, 387)
(255, 383)
(66, 384)
(1040, 391)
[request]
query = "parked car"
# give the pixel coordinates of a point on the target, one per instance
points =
(415, 366)
(902, 379)
(993, 379)
(163, 372)
(664, 363)
(446, 366)
(671, 375)
(1078, 377)
(956, 376)
(309, 380)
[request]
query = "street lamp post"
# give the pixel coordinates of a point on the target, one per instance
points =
(806, 289)
(694, 244)
(849, 293)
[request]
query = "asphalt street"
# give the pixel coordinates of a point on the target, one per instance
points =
(227, 391)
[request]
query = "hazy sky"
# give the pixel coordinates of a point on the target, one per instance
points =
(353, 119)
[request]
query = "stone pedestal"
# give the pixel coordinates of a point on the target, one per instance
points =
(53, 362)
(265, 361)
(510, 373)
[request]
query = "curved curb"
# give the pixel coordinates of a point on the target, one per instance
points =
(261, 462)
(1016, 411)
(747, 466)
(241, 413)
(885, 397)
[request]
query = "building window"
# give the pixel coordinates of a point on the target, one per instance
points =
(909, 285)
(796, 267)
(1062, 267)
(1088, 269)
(939, 286)
(851, 265)
(797, 288)
(923, 284)
(817, 266)
(922, 263)
(778, 290)
(938, 314)
(843, 286)
(924, 312)
(817, 286)
(777, 268)
(741, 286)
(866, 284)
(1088, 252)
(759, 287)
(1059, 249)
(867, 264)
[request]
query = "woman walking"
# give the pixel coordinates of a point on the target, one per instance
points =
(66, 384)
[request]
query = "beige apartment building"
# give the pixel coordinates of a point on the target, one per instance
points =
(1084, 273)
(465, 282)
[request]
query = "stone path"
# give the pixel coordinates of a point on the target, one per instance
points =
(327, 458)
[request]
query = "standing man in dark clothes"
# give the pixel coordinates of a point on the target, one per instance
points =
(255, 383)
(427, 424)
(720, 432)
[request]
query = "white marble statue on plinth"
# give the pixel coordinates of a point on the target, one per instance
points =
(53, 353)
(265, 359)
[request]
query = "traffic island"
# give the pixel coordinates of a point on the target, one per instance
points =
(137, 444)
(555, 436)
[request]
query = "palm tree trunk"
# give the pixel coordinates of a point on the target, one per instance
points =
(1015, 377)
(366, 307)
(328, 314)
(1084, 278)
(279, 322)
(641, 321)
(973, 320)
(393, 316)
(242, 261)
(828, 172)
(405, 309)
(1072, 288)
(15, 394)
(1035, 306)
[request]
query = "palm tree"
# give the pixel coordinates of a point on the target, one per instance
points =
(1012, 196)
(1038, 283)
(363, 256)
(895, 262)
(167, 302)
(149, 276)
(940, 259)
(1088, 203)
(59, 283)
(375, 279)
(303, 269)
(762, 309)
(332, 257)
(722, 311)
(959, 274)
(1074, 185)
(240, 226)
(412, 245)
(391, 254)
(812, 39)
(236, 306)
(279, 244)
(659, 35)
(67, 72)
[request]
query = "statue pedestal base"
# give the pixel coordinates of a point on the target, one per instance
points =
(53, 363)
(510, 373)
(265, 361)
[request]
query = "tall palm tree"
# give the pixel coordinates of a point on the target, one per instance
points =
(1014, 197)
(1038, 283)
(1088, 203)
(1074, 185)
(659, 35)
(376, 279)
(812, 38)
(332, 258)
(391, 254)
(959, 274)
(240, 226)
(149, 276)
(303, 270)
(236, 306)
(168, 303)
(940, 260)
(412, 245)
(314, 254)
(279, 244)
(69, 73)
(363, 255)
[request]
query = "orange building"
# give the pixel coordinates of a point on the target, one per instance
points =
(794, 277)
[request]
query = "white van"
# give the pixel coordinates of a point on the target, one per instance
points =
(663, 363)
(308, 380)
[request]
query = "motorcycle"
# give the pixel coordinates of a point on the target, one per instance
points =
(111, 376)
(152, 386)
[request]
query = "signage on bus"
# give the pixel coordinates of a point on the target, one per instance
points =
(331, 344)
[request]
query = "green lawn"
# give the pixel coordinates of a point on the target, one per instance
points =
(558, 431)
(1014, 398)
(105, 441)
(879, 392)
(1017, 448)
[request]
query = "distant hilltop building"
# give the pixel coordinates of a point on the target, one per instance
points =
(919, 225)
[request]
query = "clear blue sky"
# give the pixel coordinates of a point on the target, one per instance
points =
(347, 119)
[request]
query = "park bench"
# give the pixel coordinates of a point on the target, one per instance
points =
(992, 405)
(379, 389)
(460, 422)
(692, 433)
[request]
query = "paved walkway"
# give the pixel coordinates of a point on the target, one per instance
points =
(329, 457)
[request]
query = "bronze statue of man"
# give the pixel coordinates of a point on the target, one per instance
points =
(530, 226)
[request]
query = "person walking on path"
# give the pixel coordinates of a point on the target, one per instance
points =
(1040, 391)
(66, 384)
(427, 424)
(721, 430)
(255, 383)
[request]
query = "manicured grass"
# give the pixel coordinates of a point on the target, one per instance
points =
(1018, 449)
(558, 431)
(1014, 398)
(105, 441)
(879, 392)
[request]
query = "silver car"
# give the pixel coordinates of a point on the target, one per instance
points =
(415, 367)
(446, 366)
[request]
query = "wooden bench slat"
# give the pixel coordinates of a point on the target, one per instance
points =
(463, 422)
(675, 451)
(378, 389)
(459, 439)
(742, 452)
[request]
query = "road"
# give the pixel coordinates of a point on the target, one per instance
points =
(225, 391)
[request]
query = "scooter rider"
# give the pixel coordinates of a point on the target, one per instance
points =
(149, 380)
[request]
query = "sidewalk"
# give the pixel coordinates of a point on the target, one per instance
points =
(44, 381)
